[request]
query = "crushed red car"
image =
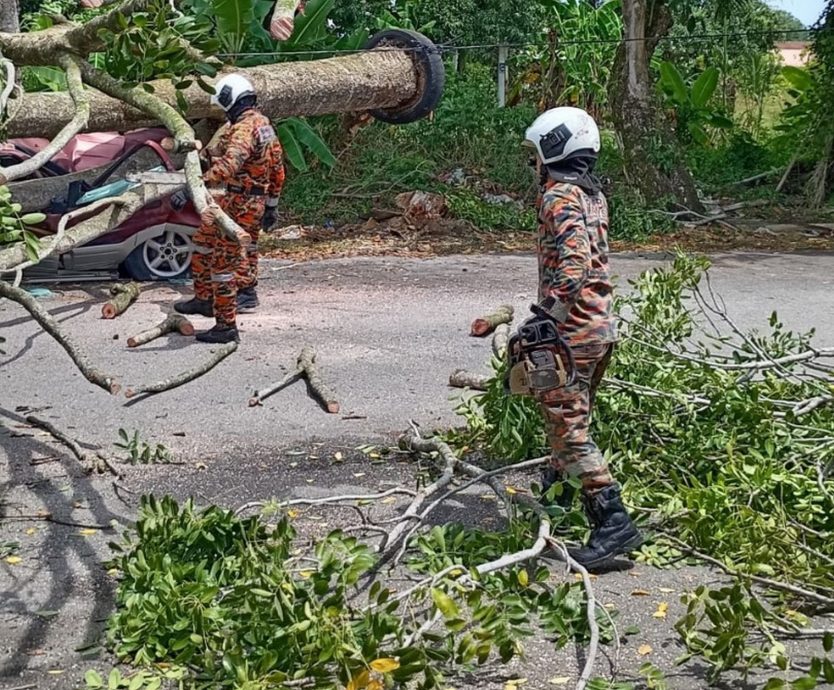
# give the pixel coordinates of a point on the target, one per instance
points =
(153, 244)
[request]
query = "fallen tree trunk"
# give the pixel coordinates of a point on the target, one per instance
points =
(175, 323)
(123, 297)
(366, 81)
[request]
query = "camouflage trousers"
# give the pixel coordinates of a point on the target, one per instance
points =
(567, 414)
(219, 265)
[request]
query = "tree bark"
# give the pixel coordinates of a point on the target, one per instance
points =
(487, 324)
(9, 16)
(376, 79)
(653, 159)
(174, 323)
(123, 297)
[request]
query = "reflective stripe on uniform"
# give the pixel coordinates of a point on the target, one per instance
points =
(200, 249)
(252, 248)
(222, 277)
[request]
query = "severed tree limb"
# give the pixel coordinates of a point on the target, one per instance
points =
(487, 324)
(289, 379)
(327, 500)
(500, 340)
(307, 362)
(44, 318)
(75, 86)
(123, 297)
(466, 379)
(91, 461)
(185, 376)
(173, 323)
(305, 367)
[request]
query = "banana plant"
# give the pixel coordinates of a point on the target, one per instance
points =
(296, 136)
(692, 104)
(575, 72)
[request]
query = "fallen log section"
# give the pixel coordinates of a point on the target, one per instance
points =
(487, 324)
(123, 297)
(174, 323)
(305, 367)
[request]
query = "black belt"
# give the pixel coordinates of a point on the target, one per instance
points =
(254, 191)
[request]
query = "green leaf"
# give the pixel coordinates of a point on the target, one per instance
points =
(292, 149)
(673, 83)
(93, 679)
(234, 18)
(806, 683)
(774, 684)
(114, 679)
(828, 642)
(704, 87)
(445, 604)
(311, 25)
(797, 77)
(307, 136)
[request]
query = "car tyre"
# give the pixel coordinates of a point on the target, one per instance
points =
(164, 257)
(431, 75)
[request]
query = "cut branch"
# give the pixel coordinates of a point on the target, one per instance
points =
(487, 324)
(123, 297)
(500, 340)
(466, 379)
(174, 323)
(305, 367)
(91, 461)
(186, 376)
(44, 318)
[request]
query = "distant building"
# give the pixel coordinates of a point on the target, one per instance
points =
(795, 53)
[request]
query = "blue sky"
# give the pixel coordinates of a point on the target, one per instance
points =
(808, 11)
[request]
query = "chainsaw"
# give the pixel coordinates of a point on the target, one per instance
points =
(540, 360)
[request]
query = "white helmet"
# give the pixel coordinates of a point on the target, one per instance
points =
(560, 133)
(230, 89)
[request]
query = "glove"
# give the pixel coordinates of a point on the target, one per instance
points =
(270, 217)
(179, 200)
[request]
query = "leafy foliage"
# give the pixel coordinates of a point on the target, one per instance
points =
(139, 452)
(14, 227)
(229, 602)
(573, 65)
(692, 103)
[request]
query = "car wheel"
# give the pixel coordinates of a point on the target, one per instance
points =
(164, 257)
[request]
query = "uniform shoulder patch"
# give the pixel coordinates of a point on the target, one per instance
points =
(265, 134)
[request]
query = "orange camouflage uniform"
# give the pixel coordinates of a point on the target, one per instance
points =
(573, 269)
(251, 169)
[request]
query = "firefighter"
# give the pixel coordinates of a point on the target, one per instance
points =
(576, 299)
(245, 181)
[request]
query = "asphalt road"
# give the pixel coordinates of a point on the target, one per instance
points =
(388, 332)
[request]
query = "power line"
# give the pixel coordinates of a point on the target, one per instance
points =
(448, 48)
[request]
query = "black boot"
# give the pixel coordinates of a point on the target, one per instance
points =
(220, 334)
(247, 299)
(195, 306)
(550, 477)
(612, 531)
